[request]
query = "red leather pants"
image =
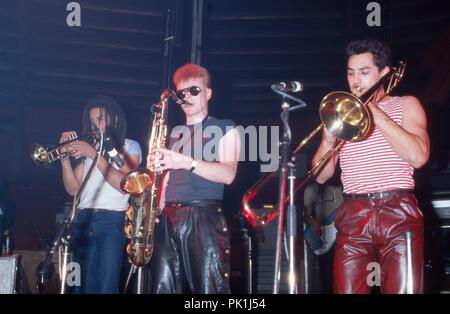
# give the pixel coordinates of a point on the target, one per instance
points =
(371, 247)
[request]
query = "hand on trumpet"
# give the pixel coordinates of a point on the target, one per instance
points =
(77, 148)
(65, 137)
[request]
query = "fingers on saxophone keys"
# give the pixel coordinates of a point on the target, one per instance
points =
(160, 168)
(158, 163)
(158, 151)
(154, 164)
(155, 158)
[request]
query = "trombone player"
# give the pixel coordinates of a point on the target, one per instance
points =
(377, 176)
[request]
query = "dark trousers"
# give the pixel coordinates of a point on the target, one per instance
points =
(370, 237)
(99, 247)
(192, 248)
(320, 272)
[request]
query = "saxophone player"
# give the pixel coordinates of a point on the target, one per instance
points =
(98, 234)
(192, 246)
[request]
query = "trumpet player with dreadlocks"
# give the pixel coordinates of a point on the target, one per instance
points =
(99, 237)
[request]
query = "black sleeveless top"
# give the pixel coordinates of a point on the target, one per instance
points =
(200, 141)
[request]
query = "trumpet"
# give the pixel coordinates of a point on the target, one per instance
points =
(44, 155)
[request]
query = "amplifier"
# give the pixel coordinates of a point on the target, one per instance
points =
(442, 207)
(264, 260)
(441, 241)
(8, 267)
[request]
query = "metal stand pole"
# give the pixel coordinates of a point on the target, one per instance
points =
(248, 242)
(63, 266)
(305, 268)
(140, 280)
(131, 272)
(409, 268)
(284, 167)
(284, 146)
(292, 231)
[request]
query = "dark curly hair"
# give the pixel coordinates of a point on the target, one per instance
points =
(117, 126)
(381, 51)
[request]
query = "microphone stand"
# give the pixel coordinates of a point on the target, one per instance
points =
(287, 171)
(63, 237)
(409, 268)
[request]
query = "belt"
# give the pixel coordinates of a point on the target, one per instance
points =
(383, 194)
(206, 203)
(101, 210)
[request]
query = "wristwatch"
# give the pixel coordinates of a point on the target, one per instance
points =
(194, 164)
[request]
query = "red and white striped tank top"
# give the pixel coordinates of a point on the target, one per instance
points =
(372, 165)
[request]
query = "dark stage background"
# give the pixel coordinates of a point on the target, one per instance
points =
(48, 70)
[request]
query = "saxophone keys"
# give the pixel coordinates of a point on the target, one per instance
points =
(128, 230)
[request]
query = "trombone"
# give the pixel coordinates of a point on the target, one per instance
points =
(342, 114)
(43, 156)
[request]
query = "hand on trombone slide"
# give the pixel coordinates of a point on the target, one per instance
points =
(328, 137)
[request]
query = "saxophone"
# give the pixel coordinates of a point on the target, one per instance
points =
(143, 186)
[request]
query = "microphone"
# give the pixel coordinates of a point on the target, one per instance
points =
(290, 87)
(112, 152)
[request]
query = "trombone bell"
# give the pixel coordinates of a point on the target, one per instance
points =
(345, 116)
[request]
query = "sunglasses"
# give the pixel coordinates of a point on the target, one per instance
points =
(193, 90)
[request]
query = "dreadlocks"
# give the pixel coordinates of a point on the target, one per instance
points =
(115, 118)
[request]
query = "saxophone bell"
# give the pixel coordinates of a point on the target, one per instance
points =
(136, 182)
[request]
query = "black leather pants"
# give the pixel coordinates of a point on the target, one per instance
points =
(192, 248)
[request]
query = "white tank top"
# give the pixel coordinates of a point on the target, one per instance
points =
(98, 193)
